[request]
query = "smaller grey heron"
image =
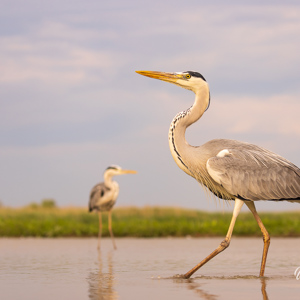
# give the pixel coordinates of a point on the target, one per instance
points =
(104, 195)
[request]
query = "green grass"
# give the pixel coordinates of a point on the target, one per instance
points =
(140, 222)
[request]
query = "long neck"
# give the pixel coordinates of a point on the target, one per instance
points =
(108, 180)
(180, 149)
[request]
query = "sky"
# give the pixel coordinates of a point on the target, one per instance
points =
(72, 104)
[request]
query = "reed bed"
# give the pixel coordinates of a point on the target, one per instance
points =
(140, 222)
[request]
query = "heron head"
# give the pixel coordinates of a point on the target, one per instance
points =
(117, 170)
(190, 80)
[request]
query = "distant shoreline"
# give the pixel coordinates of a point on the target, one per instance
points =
(141, 222)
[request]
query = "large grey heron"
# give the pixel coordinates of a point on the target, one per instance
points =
(104, 195)
(230, 169)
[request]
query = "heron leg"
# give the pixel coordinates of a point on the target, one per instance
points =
(265, 233)
(100, 229)
(110, 229)
(224, 244)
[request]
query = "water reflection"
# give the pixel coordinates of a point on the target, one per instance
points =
(195, 285)
(263, 288)
(101, 283)
(49, 268)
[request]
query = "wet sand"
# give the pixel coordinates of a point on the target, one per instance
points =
(144, 269)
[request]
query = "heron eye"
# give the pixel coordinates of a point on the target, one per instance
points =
(187, 76)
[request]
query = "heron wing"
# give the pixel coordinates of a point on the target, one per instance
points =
(255, 174)
(99, 196)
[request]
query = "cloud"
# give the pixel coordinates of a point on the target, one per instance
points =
(55, 54)
(268, 115)
(234, 44)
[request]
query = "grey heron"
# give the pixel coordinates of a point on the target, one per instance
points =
(104, 195)
(230, 169)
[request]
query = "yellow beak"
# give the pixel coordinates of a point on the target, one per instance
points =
(169, 77)
(128, 172)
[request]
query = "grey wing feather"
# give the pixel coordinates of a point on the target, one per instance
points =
(255, 174)
(98, 192)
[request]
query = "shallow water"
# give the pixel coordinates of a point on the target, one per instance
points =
(144, 269)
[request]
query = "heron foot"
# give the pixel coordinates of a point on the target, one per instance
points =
(180, 276)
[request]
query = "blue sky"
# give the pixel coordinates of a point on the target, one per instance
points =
(71, 103)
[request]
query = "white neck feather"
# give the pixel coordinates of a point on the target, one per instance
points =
(109, 182)
(180, 149)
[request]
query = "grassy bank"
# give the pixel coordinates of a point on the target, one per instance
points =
(139, 222)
